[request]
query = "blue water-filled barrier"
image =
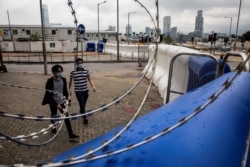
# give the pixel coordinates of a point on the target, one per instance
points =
(90, 47)
(216, 137)
(202, 70)
(100, 47)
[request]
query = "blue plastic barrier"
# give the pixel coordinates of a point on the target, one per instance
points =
(90, 47)
(216, 137)
(201, 71)
(100, 47)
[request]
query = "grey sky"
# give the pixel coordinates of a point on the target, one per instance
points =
(182, 13)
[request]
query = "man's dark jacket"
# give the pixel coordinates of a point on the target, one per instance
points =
(48, 97)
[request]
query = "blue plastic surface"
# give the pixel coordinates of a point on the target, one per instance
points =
(90, 47)
(100, 47)
(216, 137)
(201, 71)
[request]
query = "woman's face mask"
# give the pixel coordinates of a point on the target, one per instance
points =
(59, 74)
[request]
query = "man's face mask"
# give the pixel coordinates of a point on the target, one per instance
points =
(80, 65)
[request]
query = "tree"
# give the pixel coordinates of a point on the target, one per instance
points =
(35, 37)
(168, 39)
(246, 36)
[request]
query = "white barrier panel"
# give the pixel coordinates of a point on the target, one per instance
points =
(130, 51)
(180, 69)
(7, 46)
(36, 46)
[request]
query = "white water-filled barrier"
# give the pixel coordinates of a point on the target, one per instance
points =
(187, 69)
(125, 50)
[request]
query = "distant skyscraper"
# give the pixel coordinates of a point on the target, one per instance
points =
(45, 15)
(128, 30)
(166, 25)
(148, 31)
(173, 33)
(111, 28)
(198, 24)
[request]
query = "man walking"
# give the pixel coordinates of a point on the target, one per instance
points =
(81, 77)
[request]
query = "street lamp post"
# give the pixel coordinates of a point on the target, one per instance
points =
(117, 37)
(229, 35)
(43, 39)
(11, 36)
(128, 26)
(237, 26)
(98, 17)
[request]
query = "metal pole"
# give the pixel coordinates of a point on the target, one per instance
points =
(118, 45)
(230, 29)
(98, 21)
(157, 17)
(98, 18)
(229, 35)
(43, 37)
(237, 26)
(11, 37)
(128, 29)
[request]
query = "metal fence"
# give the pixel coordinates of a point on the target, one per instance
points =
(62, 57)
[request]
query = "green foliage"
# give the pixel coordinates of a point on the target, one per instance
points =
(246, 36)
(167, 39)
(35, 37)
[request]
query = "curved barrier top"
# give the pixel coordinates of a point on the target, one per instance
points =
(127, 50)
(180, 71)
(214, 137)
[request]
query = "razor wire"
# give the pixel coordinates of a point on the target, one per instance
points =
(127, 126)
(42, 118)
(104, 107)
(21, 138)
(116, 101)
(166, 130)
(148, 139)
(182, 121)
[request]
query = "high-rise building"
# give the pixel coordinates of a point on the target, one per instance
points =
(149, 31)
(198, 24)
(128, 30)
(45, 15)
(173, 33)
(166, 25)
(111, 28)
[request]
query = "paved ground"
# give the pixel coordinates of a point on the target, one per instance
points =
(112, 80)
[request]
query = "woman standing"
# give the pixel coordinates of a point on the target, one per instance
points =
(81, 77)
(58, 84)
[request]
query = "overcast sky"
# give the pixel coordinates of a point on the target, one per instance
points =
(182, 12)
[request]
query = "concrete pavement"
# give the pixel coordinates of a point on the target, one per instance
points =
(111, 80)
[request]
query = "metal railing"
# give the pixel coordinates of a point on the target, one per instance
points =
(170, 75)
(62, 57)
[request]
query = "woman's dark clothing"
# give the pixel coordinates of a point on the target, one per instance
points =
(48, 99)
(53, 109)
